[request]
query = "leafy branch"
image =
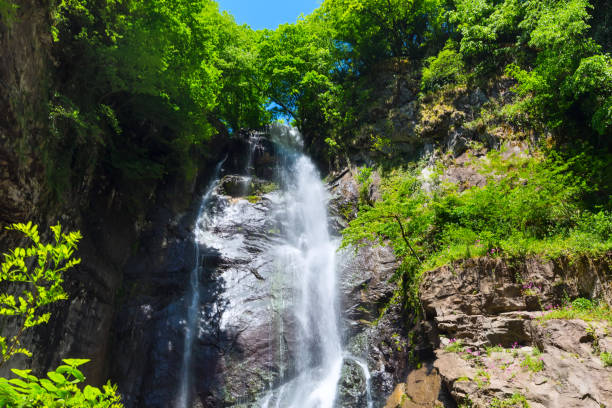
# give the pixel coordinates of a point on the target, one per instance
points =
(36, 274)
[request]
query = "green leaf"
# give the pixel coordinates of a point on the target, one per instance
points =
(48, 385)
(19, 383)
(56, 377)
(22, 373)
(64, 369)
(91, 393)
(76, 362)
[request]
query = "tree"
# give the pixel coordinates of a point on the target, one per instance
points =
(297, 61)
(374, 30)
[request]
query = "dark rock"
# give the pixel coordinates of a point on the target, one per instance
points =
(352, 388)
(235, 186)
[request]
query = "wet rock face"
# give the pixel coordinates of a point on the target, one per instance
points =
(480, 303)
(234, 356)
(352, 387)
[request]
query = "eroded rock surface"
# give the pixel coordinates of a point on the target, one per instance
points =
(493, 342)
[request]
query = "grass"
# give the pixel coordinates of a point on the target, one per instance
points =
(598, 312)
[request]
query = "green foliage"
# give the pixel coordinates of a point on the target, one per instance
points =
(455, 346)
(60, 389)
(534, 364)
(8, 11)
(582, 304)
(483, 378)
(296, 62)
(529, 206)
(562, 76)
(36, 273)
(364, 178)
(369, 31)
(446, 68)
(488, 31)
(161, 78)
(494, 349)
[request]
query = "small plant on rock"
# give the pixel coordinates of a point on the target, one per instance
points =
(534, 364)
(482, 379)
(455, 346)
(515, 401)
(606, 359)
(494, 349)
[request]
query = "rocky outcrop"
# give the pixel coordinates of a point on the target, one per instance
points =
(380, 333)
(487, 322)
(24, 77)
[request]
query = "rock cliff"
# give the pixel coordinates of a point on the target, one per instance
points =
(485, 336)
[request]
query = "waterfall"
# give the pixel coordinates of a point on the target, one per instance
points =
(308, 258)
(193, 295)
(274, 288)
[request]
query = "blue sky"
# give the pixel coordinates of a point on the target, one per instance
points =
(267, 13)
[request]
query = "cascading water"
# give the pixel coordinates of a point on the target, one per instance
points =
(193, 296)
(276, 289)
(308, 258)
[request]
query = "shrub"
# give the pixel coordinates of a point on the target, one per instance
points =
(528, 206)
(35, 272)
(445, 68)
(60, 389)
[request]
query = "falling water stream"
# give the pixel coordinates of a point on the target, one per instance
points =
(191, 323)
(305, 256)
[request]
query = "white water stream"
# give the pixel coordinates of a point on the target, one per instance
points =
(305, 257)
(309, 255)
(193, 311)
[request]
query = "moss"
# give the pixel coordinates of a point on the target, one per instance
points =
(267, 187)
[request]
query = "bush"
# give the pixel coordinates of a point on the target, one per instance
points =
(445, 68)
(35, 275)
(59, 390)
